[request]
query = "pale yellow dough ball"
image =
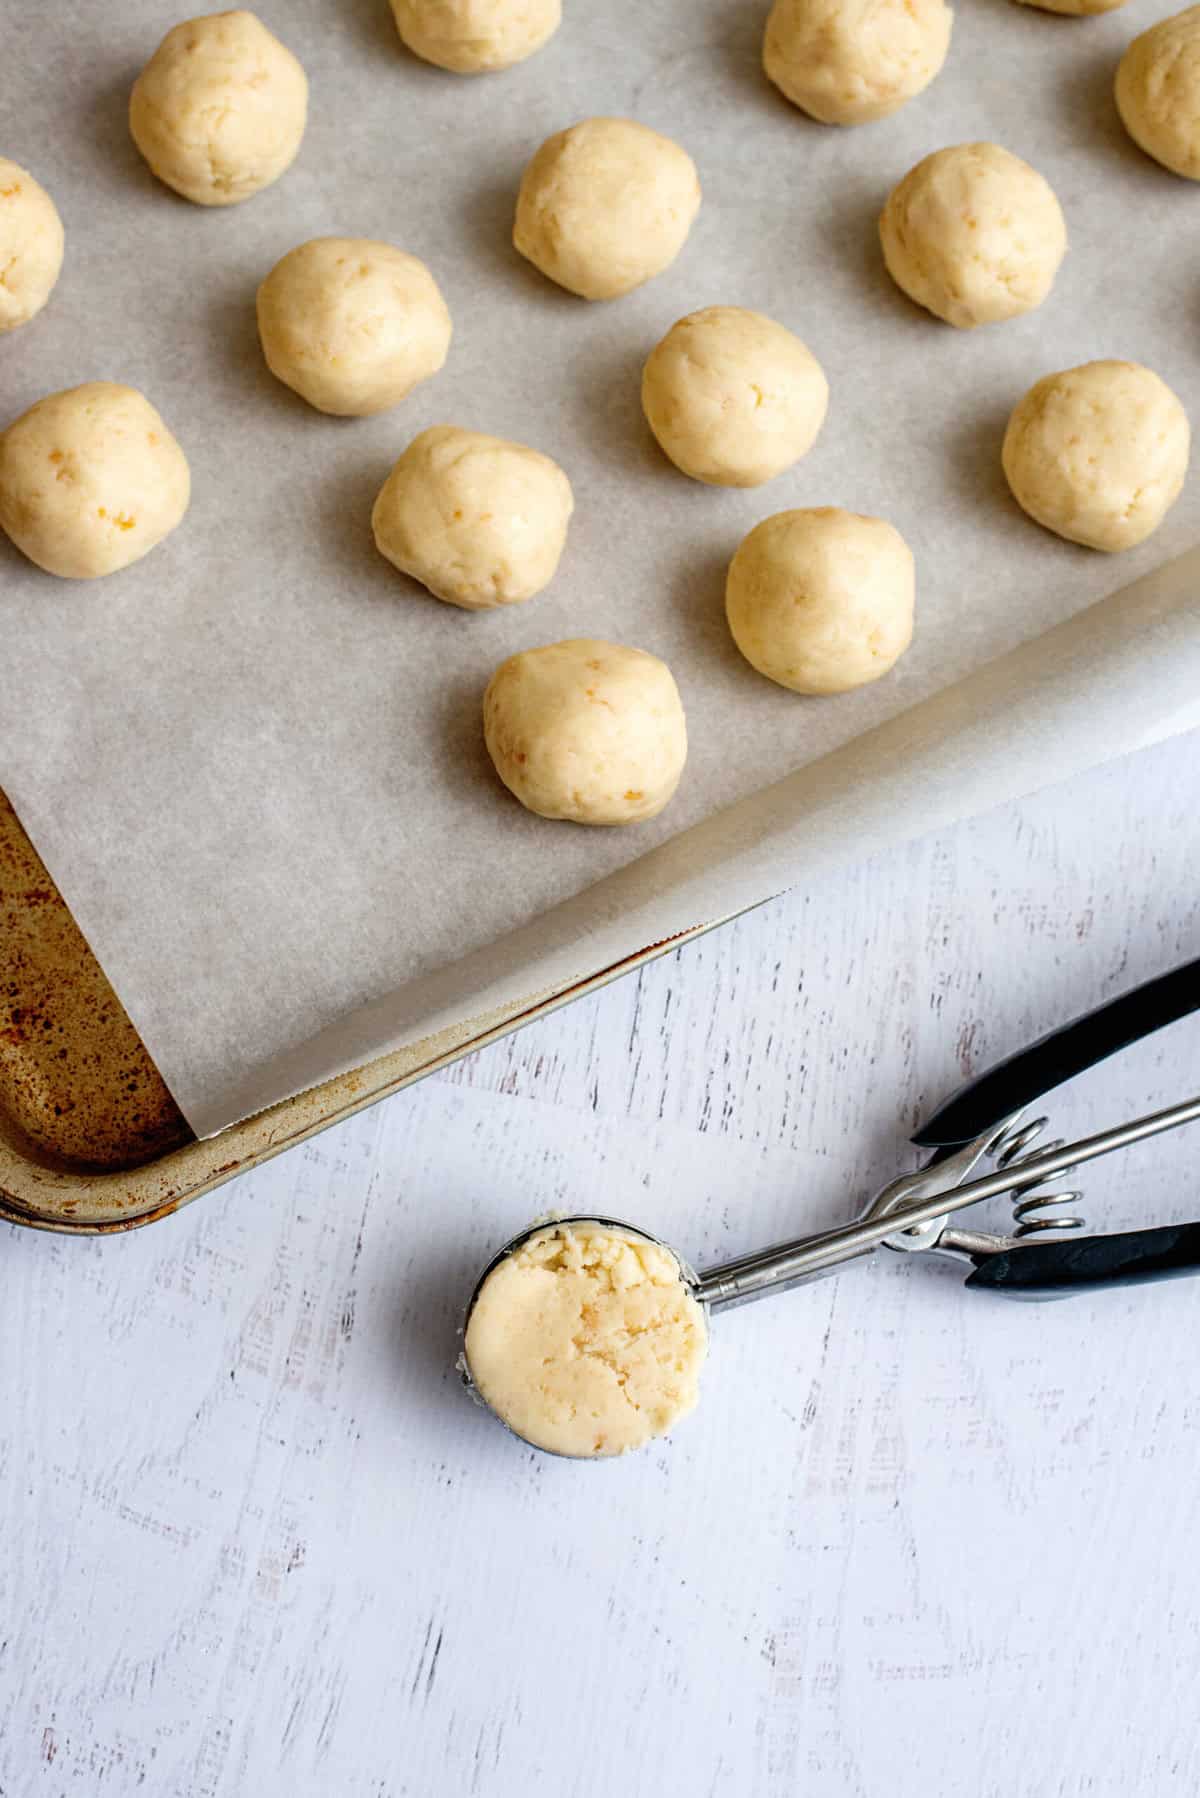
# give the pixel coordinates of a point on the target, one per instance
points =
(821, 600)
(352, 325)
(219, 110)
(472, 37)
(974, 235)
(588, 731)
(733, 397)
(605, 206)
(479, 521)
(1098, 454)
(847, 62)
(31, 245)
(587, 1340)
(1158, 92)
(90, 480)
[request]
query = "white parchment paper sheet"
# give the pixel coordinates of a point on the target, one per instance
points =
(253, 762)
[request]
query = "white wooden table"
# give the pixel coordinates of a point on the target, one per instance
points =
(916, 1541)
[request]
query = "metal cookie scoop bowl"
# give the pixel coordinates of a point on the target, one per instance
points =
(586, 1336)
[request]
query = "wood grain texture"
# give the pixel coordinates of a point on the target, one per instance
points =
(915, 1540)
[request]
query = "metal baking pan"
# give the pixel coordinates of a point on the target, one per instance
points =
(91, 1140)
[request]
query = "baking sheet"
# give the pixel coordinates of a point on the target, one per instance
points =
(253, 761)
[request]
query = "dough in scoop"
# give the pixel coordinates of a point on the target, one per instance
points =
(31, 245)
(1098, 453)
(974, 235)
(90, 480)
(219, 110)
(587, 1340)
(479, 521)
(352, 325)
(733, 397)
(847, 62)
(1158, 92)
(605, 206)
(821, 600)
(587, 731)
(472, 37)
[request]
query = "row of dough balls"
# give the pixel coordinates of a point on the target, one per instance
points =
(972, 233)
(91, 478)
(819, 600)
(843, 65)
(219, 112)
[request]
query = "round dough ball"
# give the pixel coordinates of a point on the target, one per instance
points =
(605, 206)
(218, 112)
(31, 245)
(472, 37)
(974, 235)
(847, 62)
(1098, 453)
(90, 479)
(1158, 92)
(586, 730)
(352, 325)
(733, 397)
(479, 521)
(821, 600)
(587, 1339)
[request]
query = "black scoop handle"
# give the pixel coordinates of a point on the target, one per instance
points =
(1024, 1077)
(1055, 1269)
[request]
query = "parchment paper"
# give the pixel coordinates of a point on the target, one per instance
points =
(253, 761)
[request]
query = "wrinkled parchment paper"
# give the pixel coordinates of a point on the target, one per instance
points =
(253, 761)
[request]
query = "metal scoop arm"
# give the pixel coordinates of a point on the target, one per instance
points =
(912, 1213)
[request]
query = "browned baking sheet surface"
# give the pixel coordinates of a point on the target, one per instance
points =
(76, 1082)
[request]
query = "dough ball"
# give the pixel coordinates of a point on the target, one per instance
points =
(606, 206)
(352, 325)
(1098, 453)
(821, 600)
(31, 245)
(847, 62)
(479, 521)
(587, 1340)
(732, 397)
(474, 36)
(90, 479)
(974, 235)
(586, 730)
(1158, 92)
(218, 112)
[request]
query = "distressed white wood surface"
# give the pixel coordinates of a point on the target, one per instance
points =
(255, 1541)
